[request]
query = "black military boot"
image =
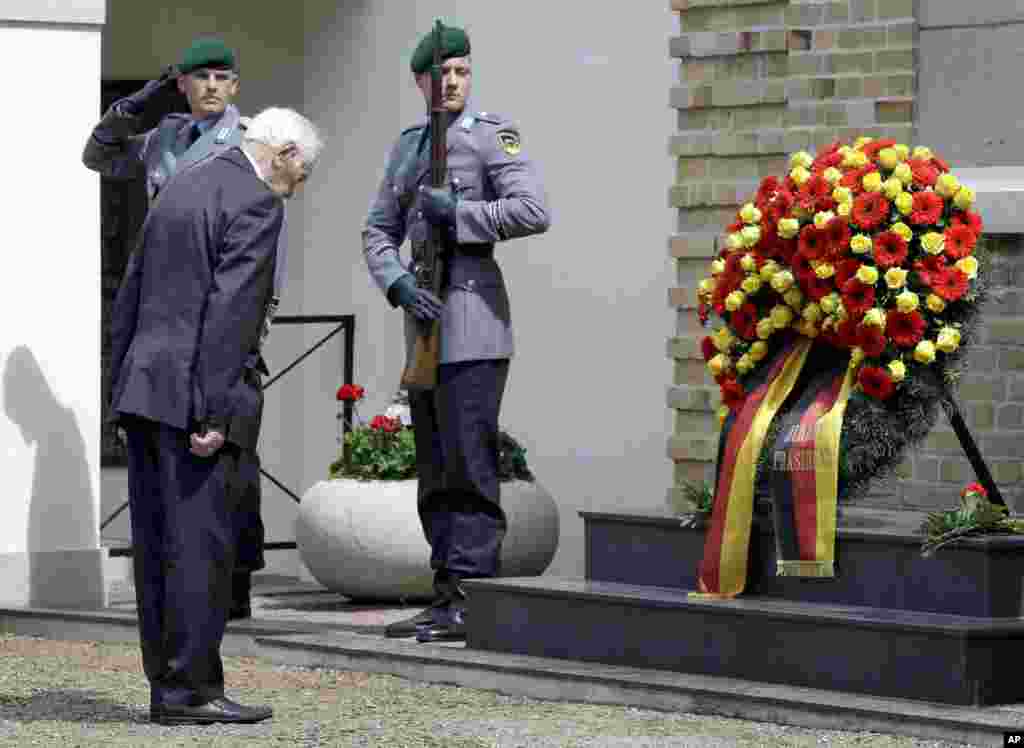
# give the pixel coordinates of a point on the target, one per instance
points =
(450, 619)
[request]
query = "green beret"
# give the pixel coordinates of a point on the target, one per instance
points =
(454, 43)
(207, 52)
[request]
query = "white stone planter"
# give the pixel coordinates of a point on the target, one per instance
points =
(364, 539)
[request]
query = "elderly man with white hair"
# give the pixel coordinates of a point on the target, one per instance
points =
(186, 330)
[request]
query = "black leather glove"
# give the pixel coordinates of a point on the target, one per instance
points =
(419, 302)
(438, 206)
(135, 104)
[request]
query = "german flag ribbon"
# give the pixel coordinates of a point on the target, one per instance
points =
(805, 477)
(723, 570)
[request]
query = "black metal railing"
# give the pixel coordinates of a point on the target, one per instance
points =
(345, 323)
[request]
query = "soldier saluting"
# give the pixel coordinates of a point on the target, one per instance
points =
(494, 195)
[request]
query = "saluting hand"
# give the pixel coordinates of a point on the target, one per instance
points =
(206, 444)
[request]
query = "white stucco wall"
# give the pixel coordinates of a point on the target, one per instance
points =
(50, 336)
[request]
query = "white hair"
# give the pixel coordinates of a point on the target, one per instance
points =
(278, 127)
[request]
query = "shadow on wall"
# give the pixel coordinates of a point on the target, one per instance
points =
(62, 515)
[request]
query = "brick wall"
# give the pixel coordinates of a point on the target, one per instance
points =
(760, 79)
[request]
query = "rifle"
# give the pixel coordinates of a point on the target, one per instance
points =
(421, 370)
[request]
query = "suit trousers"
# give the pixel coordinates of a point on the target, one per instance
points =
(184, 534)
(456, 430)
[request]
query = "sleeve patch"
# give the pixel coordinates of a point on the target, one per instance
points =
(509, 142)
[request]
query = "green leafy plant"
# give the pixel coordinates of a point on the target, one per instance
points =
(975, 516)
(701, 496)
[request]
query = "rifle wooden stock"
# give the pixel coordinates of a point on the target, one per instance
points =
(420, 371)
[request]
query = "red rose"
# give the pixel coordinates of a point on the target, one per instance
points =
(857, 297)
(905, 329)
(869, 210)
(871, 340)
(707, 348)
(960, 241)
(950, 284)
(349, 392)
(927, 208)
(890, 249)
(876, 382)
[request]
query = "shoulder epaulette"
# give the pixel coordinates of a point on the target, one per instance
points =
(412, 129)
(490, 118)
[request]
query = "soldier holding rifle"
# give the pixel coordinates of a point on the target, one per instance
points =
(458, 326)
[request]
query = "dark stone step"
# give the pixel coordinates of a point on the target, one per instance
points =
(875, 567)
(908, 654)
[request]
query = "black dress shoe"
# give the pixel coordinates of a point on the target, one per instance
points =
(409, 626)
(450, 626)
(217, 710)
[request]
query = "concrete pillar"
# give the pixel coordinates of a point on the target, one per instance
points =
(50, 335)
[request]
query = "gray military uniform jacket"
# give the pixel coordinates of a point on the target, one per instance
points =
(499, 197)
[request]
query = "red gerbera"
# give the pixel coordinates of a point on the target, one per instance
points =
(801, 266)
(857, 297)
(950, 283)
(816, 288)
(960, 241)
(702, 311)
(732, 393)
(828, 156)
(871, 149)
(846, 333)
(813, 242)
(929, 266)
(817, 192)
(876, 382)
(707, 348)
(890, 249)
(846, 269)
(744, 321)
(927, 208)
(940, 163)
(766, 191)
(871, 340)
(925, 175)
(732, 228)
(966, 218)
(905, 329)
(839, 235)
(784, 250)
(733, 264)
(853, 178)
(869, 210)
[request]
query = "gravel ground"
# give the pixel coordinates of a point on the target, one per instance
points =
(61, 693)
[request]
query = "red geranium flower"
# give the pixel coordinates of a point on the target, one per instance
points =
(872, 340)
(928, 267)
(960, 241)
(744, 321)
(732, 393)
(845, 270)
(925, 175)
(839, 235)
(927, 208)
(876, 382)
(966, 218)
(813, 242)
(869, 210)
(904, 329)
(950, 283)
(349, 392)
(858, 297)
(890, 249)
(707, 348)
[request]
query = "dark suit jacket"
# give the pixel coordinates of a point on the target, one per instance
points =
(188, 315)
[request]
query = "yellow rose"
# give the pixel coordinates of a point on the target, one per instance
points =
(964, 198)
(862, 141)
(748, 263)
(924, 353)
(822, 218)
(734, 241)
(749, 213)
(801, 159)
(935, 303)
(895, 278)
(769, 269)
(855, 160)
(856, 356)
(765, 328)
(904, 173)
(788, 228)
(829, 303)
(745, 364)
(812, 313)
(889, 158)
(860, 244)
(897, 370)
(905, 203)
(832, 175)
(907, 301)
(707, 286)
(872, 181)
(751, 235)
(751, 284)
(718, 267)
(845, 150)
(735, 300)
(722, 413)
(844, 209)
(825, 270)
(947, 185)
(759, 350)
(969, 266)
(794, 297)
(922, 152)
(842, 194)
(903, 151)
(723, 339)
(875, 317)
(903, 230)
(800, 175)
(867, 274)
(948, 339)
(781, 317)
(933, 242)
(719, 365)
(783, 281)
(892, 187)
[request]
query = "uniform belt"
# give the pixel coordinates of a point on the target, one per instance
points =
(467, 250)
